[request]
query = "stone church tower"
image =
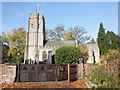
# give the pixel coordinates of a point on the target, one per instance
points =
(35, 37)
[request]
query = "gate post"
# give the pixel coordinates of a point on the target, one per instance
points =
(80, 71)
(18, 72)
(18, 66)
(68, 66)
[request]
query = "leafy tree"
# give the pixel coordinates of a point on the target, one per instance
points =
(16, 39)
(66, 54)
(101, 39)
(5, 50)
(73, 33)
(57, 33)
(5, 39)
(69, 36)
(77, 33)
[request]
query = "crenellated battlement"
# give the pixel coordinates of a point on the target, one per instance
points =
(36, 15)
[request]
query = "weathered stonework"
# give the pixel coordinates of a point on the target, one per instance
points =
(7, 73)
(35, 36)
(80, 71)
(93, 52)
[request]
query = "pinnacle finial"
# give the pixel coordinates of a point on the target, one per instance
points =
(29, 14)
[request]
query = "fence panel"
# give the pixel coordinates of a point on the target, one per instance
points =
(62, 72)
(73, 72)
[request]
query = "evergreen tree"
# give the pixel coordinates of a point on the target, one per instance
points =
(107, 41)
(101, 39)
(119, 41)
(112, 40)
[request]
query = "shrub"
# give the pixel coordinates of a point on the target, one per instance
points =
(111, 59)
(103, 78)
(66, 54)
(113, 54)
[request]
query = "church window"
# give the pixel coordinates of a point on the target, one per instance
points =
(44, 54)
(31, 25)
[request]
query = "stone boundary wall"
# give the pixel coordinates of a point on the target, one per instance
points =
(7, 73)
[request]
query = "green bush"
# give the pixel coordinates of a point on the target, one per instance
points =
(66, 54)
(103, 78)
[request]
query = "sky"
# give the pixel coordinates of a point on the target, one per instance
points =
(86, 14)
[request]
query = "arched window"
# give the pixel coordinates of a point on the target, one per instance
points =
(44, 54)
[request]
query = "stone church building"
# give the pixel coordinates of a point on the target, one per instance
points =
(37, 49)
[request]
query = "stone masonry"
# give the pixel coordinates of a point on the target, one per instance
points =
(7, 73)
